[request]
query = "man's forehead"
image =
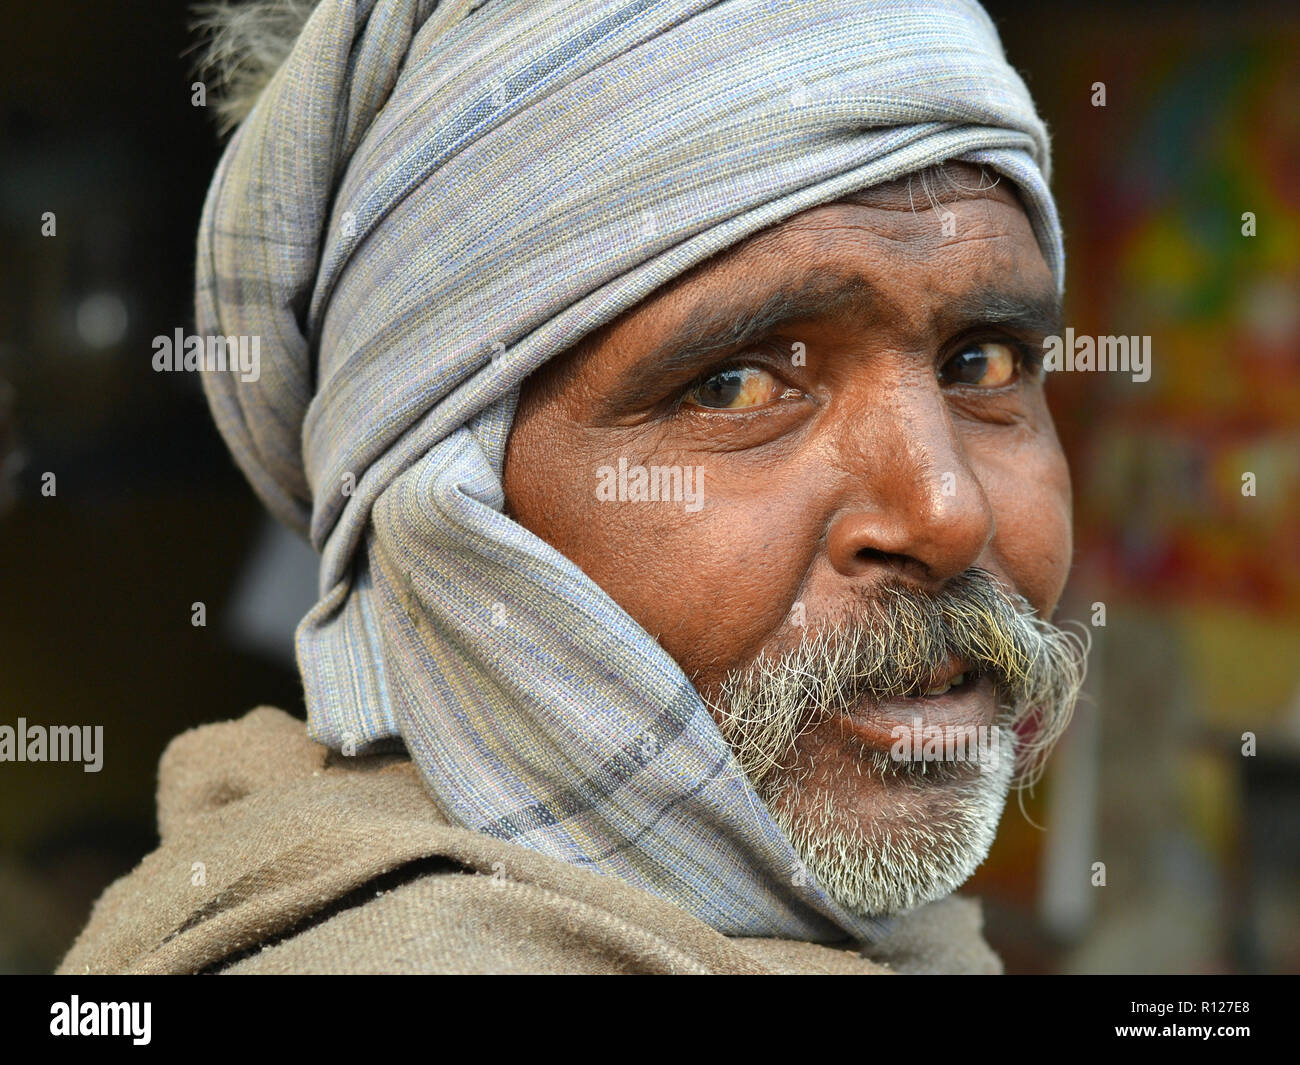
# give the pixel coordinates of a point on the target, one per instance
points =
(926, 197)
(820, 265)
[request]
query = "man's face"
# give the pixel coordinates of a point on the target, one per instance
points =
(883, 421)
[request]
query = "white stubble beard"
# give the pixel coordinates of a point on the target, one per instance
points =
(927, 841)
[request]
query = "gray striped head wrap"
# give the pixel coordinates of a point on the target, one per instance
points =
(428, 201)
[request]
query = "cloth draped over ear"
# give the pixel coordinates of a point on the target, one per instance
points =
(429, 201)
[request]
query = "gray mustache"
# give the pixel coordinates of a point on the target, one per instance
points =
(904, 643)
(901, 642)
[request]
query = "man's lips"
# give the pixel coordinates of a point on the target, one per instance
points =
(881, 725)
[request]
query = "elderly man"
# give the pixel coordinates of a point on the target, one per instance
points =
(661, 384)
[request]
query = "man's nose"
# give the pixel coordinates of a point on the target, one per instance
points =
(915, 505)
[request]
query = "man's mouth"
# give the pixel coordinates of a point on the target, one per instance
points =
(963, 699)
(957, 681)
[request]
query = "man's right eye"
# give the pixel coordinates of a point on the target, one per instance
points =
(738, 388)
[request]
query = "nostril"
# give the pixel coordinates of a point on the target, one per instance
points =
(874, 554)
(904, 565)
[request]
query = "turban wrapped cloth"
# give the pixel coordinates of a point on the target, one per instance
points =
(427, 202)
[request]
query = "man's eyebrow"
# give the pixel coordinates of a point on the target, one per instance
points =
(1038, 313)
(711, 327)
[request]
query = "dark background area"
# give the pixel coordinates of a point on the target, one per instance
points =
(1202, 586)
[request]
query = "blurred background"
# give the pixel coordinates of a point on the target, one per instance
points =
(1180, 197)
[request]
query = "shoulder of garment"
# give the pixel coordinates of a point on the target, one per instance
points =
(278, 855)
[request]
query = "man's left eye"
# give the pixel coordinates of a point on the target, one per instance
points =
(989, 364)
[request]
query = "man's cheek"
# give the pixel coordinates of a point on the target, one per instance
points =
(712, 584)
(1034, 536)
(746, 566)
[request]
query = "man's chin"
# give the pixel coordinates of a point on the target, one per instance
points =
(883, 839)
